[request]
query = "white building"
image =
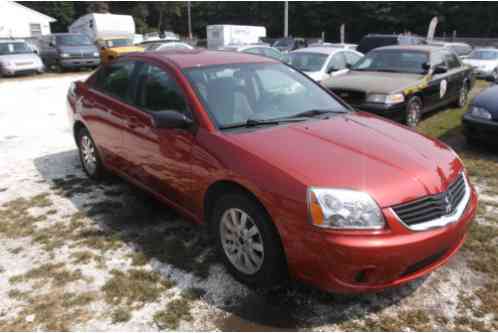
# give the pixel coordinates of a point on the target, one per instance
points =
(19, 21)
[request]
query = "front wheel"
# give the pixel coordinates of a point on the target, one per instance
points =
(248, 242)
(462, 96)
(89, 156)
(413, 112)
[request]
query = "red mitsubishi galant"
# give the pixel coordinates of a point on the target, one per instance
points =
(289, 179)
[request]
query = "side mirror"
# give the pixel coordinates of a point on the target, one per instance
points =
(426, 67)
(171, 119)
(331, 70)
(51, 44)
(440, 69)
(348, 66)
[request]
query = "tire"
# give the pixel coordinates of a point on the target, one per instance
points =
(413, 112)
(463, 96)
(89, 156)
(494, 76)
(255, 256)
(58, 68)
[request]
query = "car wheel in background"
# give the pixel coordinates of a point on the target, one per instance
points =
(413, 111)
(495, 75)
(463, 96)
(89, 156)
(247, 241)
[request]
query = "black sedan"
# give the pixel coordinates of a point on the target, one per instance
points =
(480, 123)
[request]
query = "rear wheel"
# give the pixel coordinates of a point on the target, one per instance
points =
(247, 241)
(89, 156)
(413, 112)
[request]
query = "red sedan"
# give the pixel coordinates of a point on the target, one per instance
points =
(290, 180)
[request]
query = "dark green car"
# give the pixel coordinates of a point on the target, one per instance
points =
(403, 82)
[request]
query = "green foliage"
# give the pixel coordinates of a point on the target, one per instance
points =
(307, 19)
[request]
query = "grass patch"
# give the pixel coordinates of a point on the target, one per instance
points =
(175, 311)
(134, 287)
(120, 315)
(55, 273)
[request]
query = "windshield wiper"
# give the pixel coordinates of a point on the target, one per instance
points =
(261, 122)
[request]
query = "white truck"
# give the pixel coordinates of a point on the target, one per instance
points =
(219, 36)
(98, 26)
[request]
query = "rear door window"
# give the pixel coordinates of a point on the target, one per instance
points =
(451, 60)
(337, 62)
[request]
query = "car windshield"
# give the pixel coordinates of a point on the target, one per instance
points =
(398, 61)
(72, 40)
(484, 55)
(14, 48)
(460, 49)
(238, 93)
(118, 42)
(307, 61)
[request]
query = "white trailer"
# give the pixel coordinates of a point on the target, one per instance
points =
(222, 35)
(98, 26)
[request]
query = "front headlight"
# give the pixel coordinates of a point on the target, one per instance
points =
(479, 112)
(96, 54)
(343, 209)
(386, 99)
(65, 55)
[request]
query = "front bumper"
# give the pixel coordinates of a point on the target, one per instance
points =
(480, 129)
(359, 263)
(11, 71)
(394, 111)
(483, 74)
(79, 62)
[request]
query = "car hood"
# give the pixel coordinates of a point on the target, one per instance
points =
(357, 151)
(374, 82)
(32, 57)
(488, 99)
(78, 49)
(480, 63)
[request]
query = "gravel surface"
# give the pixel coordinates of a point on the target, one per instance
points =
(80, 255)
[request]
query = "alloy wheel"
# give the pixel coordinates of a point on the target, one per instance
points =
(413, 115)
(462, 99)
(242, 241)
(88, 154)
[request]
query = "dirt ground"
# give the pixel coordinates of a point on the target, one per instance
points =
(80, 255)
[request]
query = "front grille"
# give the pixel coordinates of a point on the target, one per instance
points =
(81, 55)
(432, 207)
(352, 97)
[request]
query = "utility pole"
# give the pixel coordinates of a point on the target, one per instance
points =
(286, 18)
(189, 20)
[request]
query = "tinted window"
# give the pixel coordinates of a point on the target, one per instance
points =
(115, 79)
(452, 60)
(271, 53)
(254, 50)
(158, 91)
(14, 48)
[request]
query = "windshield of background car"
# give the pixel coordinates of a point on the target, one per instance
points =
(118, 42)
(307, 61)
(234, 93)
(398, 61)
(14, 48)
(72, 40)
(283, 43)
(484, 55)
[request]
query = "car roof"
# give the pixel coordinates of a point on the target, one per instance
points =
(424, 48)
(320, 49)
(184, 58)
(12, 40)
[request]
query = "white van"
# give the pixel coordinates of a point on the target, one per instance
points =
(219, 36)
(98, 26)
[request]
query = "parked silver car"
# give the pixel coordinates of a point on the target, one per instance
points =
(17, 57)
(485, 63)
(261, 49)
